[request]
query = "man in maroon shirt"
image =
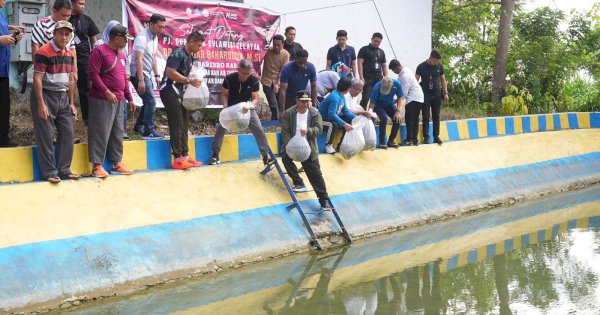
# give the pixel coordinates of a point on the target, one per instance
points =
(106, 100)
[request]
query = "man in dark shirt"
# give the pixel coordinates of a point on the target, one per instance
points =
(289, 44)
(176, 77)
(435, 88)
(342, 53)
(241, 86)
(372, 66)
(84, 38)
(294, 77)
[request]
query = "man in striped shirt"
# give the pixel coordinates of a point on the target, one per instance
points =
(43, 30)
(52, 104)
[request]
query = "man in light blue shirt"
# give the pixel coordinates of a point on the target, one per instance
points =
(335, 113)
(386, 99)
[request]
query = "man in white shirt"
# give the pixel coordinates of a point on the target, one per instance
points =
(356, 87)
(414, 101)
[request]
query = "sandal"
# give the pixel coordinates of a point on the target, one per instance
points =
(70, 176)
(53, 179)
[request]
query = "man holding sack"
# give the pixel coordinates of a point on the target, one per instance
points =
(305, 121)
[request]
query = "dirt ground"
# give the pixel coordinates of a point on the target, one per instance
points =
(204, 124)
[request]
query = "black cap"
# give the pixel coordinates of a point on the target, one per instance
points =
(435, 54)
(119, 30)
(303, 95)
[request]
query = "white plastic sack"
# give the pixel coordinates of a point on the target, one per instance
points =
(233, 118)
(353, 143)
(368, 129)
(298, 148)
(196, 98)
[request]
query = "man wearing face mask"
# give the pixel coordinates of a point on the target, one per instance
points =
(372, 66)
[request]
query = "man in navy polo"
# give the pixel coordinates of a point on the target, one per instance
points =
(342, 53)
(294, 77)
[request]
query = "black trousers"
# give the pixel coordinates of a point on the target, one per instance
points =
(179, 121)
(366, 93)
(313, 172)
(383, 112)
(4, 110)
(83, 86)
(272, 100)
(435, 104)
(412, 120)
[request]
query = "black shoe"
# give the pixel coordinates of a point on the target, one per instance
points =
(299, 189)
(69, 176)
(8, 144)
(325, 204)
(415, 143)
(392, 145)
(425, 141)
(406, 143)
(267, 160)
(438, 140)
(214, 161)
(383, 146)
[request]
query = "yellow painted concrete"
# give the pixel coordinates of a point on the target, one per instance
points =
(229, 150)
(93, 206)
(444, 132)
(564, 120)
(272, 140)
(584, 120)
(549, 122)
(518, 122)
(482, 127)
(535, 124)
(80, 163)
(500, 125)
(463, 129)
(16, 164)
(134, 154)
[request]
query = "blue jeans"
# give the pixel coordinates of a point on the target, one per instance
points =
(144, 122)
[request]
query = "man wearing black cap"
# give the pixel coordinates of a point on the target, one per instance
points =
(433, 83)
(304, 120)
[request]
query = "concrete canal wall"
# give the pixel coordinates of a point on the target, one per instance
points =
(96, 237)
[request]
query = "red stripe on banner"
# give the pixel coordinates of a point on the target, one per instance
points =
(232, 33)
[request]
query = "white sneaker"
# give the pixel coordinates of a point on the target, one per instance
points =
(329, 149)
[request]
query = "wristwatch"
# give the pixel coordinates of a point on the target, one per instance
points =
(157, 76)
(187, 80)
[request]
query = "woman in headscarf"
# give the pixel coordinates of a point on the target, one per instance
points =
(106, 32)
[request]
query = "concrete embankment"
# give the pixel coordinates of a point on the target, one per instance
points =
(95, 237)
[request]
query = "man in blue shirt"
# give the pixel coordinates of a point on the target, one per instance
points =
(382, 100)
(342, 52)
(335, 113)
(294, 77)
(6, 42)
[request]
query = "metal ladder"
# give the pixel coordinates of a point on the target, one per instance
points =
(296, 203)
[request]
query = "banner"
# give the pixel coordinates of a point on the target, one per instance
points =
(232, 33)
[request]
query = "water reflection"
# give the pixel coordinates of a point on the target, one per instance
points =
(539, 257)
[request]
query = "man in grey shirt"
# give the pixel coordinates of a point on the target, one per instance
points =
(143, 64)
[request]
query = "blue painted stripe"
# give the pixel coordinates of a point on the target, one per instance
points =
(107, 258)
(595, 120)
(557, 123)
(472, 256)
(526, 124)
(525, 240)
(509, 123)
(573, 121)
(491, 250)
(555, 230)
(37, 172)
(508, 245)
(542, 122)
(159, 154)
(247, 147)
(473, 130)
(541, 236)
(403, 132)
(203, 148)
(572, 224)
(452, 127)
(452, 262)
(491, 127)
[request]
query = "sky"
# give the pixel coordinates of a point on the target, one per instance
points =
(564, 5)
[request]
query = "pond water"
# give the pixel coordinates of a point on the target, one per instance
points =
(537, 257)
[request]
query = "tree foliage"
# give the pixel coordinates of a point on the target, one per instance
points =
(553, 56)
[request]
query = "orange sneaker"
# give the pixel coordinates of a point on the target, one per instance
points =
(121, 169)
(181, 164)
(99, 171)
(193, 163)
